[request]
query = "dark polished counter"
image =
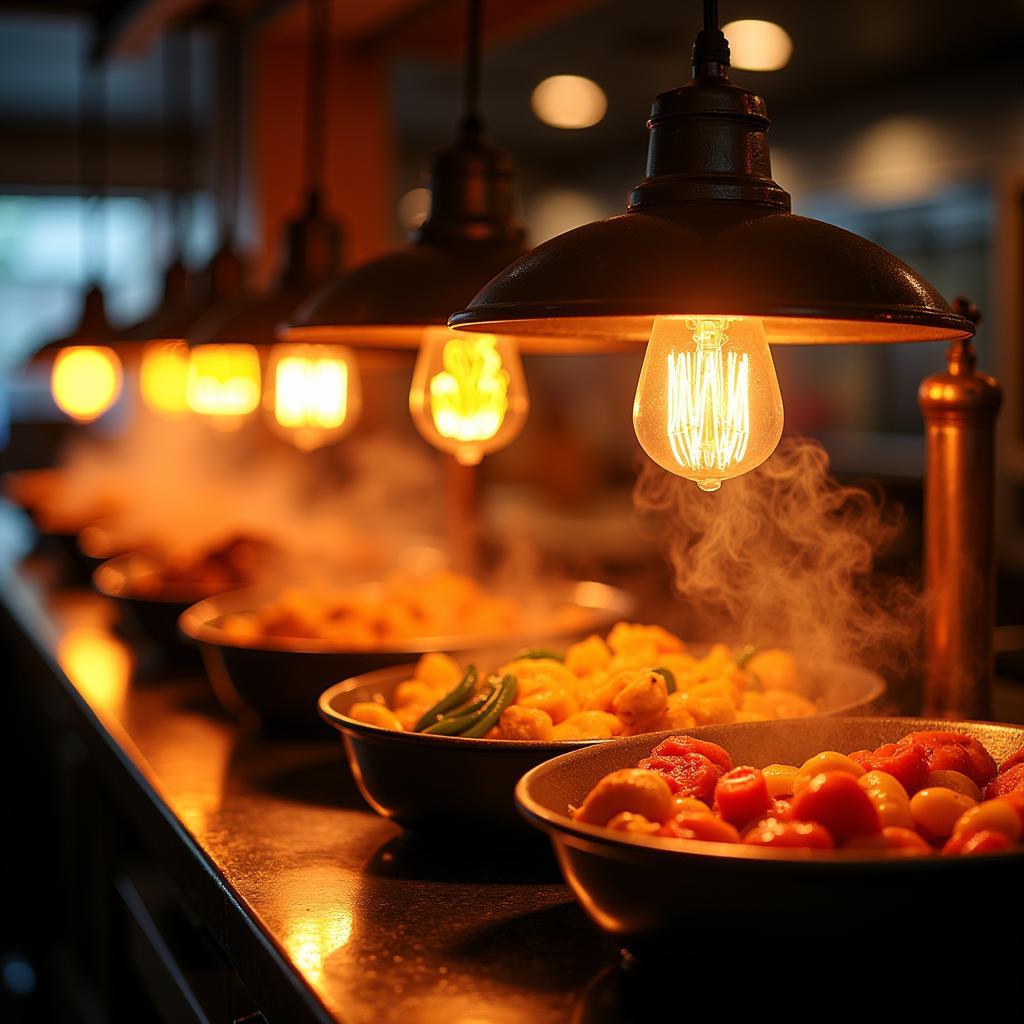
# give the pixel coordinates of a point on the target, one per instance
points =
(322, 909)
(172, 865)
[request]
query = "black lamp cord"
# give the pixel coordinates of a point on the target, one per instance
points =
(177, 170)
(92, 157)
(316, 98)
(710, 48)
(472, 125)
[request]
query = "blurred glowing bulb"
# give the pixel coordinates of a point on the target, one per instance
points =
(468, 394)
(223, 382)
(708, 405)
(313, 395)
(758, 45)
(569, 101)
(85, 381)
(163, 376)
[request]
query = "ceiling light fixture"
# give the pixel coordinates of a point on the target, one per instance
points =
(758, 45)
(569, 101)
(710, 265)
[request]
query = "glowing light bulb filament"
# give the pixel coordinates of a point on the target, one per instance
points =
(469, 398)
(708, 403)
(311, 392)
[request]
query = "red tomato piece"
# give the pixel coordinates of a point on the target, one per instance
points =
(807, 835)
(1011, 781)
(742, 796)
(1016, 801)
(835, 800)
(985, 841)
(898, 838)
(690, 774)
(908, 762)
(952, 751)
(780, 808)
(1013, 759)
(707, 827)
(678, 746)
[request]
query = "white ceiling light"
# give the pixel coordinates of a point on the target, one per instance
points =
(569, 101)
(758, 45)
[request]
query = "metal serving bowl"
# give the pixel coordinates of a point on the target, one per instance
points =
(651, 893)
(448, 782)
(150, 605)
(280, 679)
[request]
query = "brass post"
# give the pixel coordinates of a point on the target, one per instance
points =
(463, 513)
(960, 407)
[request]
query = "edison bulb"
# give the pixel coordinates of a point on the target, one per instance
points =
(86, 381)
(468, 395)
(708, 405)
(312, 395)
(163, 377)
(224, 383)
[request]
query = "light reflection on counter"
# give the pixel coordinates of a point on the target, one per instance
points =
(98, 663)
(312, 932)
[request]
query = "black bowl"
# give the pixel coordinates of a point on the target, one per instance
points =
(150, 607)
(432, 783)
(650, 894)
(279, 679)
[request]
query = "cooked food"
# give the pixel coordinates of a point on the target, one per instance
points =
(638, 679)
(903, 798)
(402, 607)
(236, 562)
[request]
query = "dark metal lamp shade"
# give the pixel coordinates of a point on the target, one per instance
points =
(709, 232)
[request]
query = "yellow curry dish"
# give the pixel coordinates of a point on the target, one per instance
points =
(638, 679)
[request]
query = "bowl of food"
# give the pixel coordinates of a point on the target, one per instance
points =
(59, 511)
(823, 823)
(475, 727)
(155, 588)
(271, 652)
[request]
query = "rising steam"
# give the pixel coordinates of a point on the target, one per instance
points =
(785, 556)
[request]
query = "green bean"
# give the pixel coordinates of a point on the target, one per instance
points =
(538, 653)
(502, 697)
(450, 700)
(744, 654)
(452, 724)
(668, 675)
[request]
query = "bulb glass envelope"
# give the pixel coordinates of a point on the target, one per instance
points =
(709, 231)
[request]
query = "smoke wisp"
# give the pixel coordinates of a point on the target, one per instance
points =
(786, 556)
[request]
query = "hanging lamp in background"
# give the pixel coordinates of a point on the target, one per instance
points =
(224, 378)
(163, 362)
(469, 395)
(85, 372)
(710, 267)
(311, 392)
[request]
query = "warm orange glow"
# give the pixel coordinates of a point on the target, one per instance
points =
(313, 393)
(163, 376)
(708, 405)
(86, 381)
(315, 928)
(99, 664)
(224, 382)
(468, 394)
(569, 101)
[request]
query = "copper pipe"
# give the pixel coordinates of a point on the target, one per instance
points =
(960, 407)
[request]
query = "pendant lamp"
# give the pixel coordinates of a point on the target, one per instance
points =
(224, 378)
(469, 393)
(711, 267)
(311, 392)
(85, 371)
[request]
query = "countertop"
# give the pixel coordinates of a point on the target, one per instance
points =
(338, 916)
